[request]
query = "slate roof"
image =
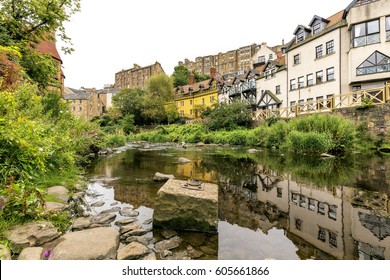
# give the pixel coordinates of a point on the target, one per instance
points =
(75, 94)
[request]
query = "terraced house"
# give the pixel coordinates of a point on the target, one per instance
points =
(333, 62)
(191, 99)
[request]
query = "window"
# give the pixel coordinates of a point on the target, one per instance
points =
(322, 234)
(329, 100)
(309, 79)
(356, 88)
(312, 202)
(301, 82)
(277, 90)
(300, 36)
(298, 224)
(330, 47)
(319, 77)
(182, 113)
(317, 28)
(297, 59)
(191, 112)
(333, 239)
(376, 63)
(302, 201)
(294, 196)
(365, 33)
(211, 99)
(332, 214)
(330, 74)
(320, 105)
(293, 84)
(271, 56)
(279, 192)
(319, 51)
(292, 105)
(310, 101)
(388, 28)
(190, 102)
(202, 100)
(321, 208)
(181, 103)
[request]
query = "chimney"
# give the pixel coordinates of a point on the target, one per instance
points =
(191, 79)
(213, 72)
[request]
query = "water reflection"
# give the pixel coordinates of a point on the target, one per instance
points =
(271, 205)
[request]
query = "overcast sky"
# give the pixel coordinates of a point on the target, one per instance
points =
(111, 35)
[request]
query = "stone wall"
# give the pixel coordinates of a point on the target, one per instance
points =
(377, 117)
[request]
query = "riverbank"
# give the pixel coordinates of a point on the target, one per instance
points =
(314, 134)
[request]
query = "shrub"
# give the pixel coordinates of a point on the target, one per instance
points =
(308, 142)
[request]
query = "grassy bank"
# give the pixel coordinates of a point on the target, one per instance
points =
(313, 134)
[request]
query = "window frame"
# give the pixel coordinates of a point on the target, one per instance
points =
(293, 84)
(317, 28)
(387, 27)
(297, 59)
(309, 79)
(330, 47)
(322, 77)
(364, 34)
(301, 82)
(319, 51)
(277, 89)
(330, 76)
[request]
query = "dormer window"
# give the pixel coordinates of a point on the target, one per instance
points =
(317, 28)
(300, 36)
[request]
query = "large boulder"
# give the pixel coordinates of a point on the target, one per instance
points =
(59, 192)
(180, 205)
(91, 244)
(160, 177)
(30, 235)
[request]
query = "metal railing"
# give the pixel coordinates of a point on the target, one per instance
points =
(352, 99)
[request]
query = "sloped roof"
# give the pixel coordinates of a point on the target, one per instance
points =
(75, 94)
(196, 87)
(49, 47)
(334, 21)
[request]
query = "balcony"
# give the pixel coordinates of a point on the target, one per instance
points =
(366, 40)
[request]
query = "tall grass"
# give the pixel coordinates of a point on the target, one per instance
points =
(308, 134)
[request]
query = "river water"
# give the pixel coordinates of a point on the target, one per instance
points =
(272, 205)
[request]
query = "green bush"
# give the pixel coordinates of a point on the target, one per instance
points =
(308, 142)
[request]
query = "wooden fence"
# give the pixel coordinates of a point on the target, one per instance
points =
(352, 99)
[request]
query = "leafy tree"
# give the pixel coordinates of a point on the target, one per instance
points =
(229, 116)
(10, 70)
(160, 86)
(130, 102)
(24, 24)
(180, 76)
(32, 21)
(171, 112)
(199, 77)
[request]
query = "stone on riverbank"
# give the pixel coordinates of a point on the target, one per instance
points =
(31, 234)
(183, 160)
(31, 253)
(91, 244)
(55, 206)
(160, 177)
(5, 253)
(186, 208)
(133, 251)
(59, 192)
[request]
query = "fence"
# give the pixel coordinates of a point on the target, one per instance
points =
(352, 99)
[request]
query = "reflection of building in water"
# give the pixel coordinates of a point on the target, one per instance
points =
(137, 195)
(326, 218)
(194, 169)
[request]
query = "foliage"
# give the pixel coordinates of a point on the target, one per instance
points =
(127, 124)
(24, 24)
(180, 76)
(32, 21)
(160, 86)
(199, 77)
(366, 103)
(229, 116)
(129, 102)
(10, 70)
(308, 142)
(171, 112)
(34, 141)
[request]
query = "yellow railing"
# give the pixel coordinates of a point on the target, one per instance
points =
(352, 99)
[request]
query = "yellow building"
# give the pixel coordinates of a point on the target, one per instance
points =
(191, 99)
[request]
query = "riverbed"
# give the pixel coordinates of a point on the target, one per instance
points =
(272, 205)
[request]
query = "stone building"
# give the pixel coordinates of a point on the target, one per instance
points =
(233, 61)
(137, 76)
(89, 103)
